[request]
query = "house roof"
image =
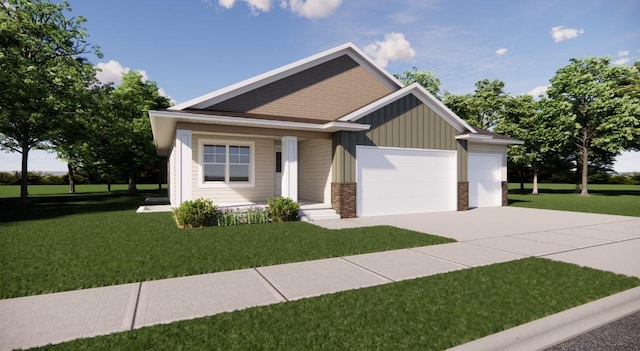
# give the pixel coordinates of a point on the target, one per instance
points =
(242, 87)
(484, 136)
(206, 108)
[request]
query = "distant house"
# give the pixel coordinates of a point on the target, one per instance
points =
(333, 129)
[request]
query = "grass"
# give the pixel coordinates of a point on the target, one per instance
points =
(612, 199)
(432, 313)
(9, 191)
(59, 243)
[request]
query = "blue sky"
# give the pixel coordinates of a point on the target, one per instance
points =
(192, 47)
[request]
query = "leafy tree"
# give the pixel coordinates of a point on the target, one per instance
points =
(128, 135)
(426, 78)
(584, 103)
(483, 108)
(42, 73)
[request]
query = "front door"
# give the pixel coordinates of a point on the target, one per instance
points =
(277, 186)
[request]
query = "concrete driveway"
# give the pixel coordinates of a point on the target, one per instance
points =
(604, 242)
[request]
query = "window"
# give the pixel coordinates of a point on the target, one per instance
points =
(226, 163)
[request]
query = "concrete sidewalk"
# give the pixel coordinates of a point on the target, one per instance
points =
(487, 236)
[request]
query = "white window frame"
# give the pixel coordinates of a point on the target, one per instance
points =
(224, 184)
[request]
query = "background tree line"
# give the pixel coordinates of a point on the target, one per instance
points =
(589, 114)
(50, 98)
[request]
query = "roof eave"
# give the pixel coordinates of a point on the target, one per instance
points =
(163, 125)
(488, 139)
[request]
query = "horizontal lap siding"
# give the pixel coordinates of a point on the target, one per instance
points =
(326, 91)
(264, 173)
(314, 170)
(405, 123)
(492, 149)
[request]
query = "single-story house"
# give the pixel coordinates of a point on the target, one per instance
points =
(334, 130)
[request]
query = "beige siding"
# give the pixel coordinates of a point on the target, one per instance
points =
(404, 123)
(492, 149)
(314, 170)
(326, 92)
(262, 188)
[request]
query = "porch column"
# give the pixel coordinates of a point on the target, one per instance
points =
(183, 166)
(290, 167)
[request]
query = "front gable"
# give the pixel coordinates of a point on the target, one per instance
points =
(327, 91)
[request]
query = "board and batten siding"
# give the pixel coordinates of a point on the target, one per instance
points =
(406, 123)
(264, 174)
(477, 148)
(314, 170)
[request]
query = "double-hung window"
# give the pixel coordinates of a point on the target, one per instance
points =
(226, 163)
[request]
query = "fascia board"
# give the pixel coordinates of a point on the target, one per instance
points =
(279, 73)
(260, 123)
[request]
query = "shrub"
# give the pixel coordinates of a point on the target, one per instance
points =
(257, 215)
(282, 209)
(195, 214)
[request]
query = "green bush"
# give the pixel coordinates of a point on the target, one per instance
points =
(283, 209)
(195, 214)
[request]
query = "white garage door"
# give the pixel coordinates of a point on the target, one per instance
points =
(485, 185)
(396, 180)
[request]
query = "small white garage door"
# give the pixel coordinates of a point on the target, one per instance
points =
(485, 185)
(397, 180)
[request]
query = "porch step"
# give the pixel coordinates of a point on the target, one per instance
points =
(317, 214)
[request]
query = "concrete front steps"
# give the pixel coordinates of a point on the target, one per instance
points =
(317, 212)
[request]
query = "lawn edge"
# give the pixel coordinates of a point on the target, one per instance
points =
(559, 327)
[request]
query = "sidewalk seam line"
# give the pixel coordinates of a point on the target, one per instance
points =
(270, 284)
(135, 309)
(439, 258)
(588, 247)
(369, 270)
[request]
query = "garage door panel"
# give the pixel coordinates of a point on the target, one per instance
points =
(393, 181)
(485, 184)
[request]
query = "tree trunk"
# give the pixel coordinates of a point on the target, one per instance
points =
(24, 181)
(109, 186)
(132, 178)
(585, 170)
(72, 179)
(535, 178)
(521, 174)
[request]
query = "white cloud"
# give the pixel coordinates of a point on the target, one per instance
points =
(394, 48)
(255, 5)
(302, 8)
(621, 61)
(112, 71)
(623, 53)
(227, 4)
(501, 51)
(312, 8)
(537, 91)
(560, 33)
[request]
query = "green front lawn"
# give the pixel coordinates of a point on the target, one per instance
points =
(431, 313)
(58, 243)
(612, 199)
(8, 191)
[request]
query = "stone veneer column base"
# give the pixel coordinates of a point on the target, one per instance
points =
(463, 196)
(505, 193)
(343, 199)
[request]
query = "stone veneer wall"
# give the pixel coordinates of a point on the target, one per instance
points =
(343, 199)
(463, 196)
(505, 193)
